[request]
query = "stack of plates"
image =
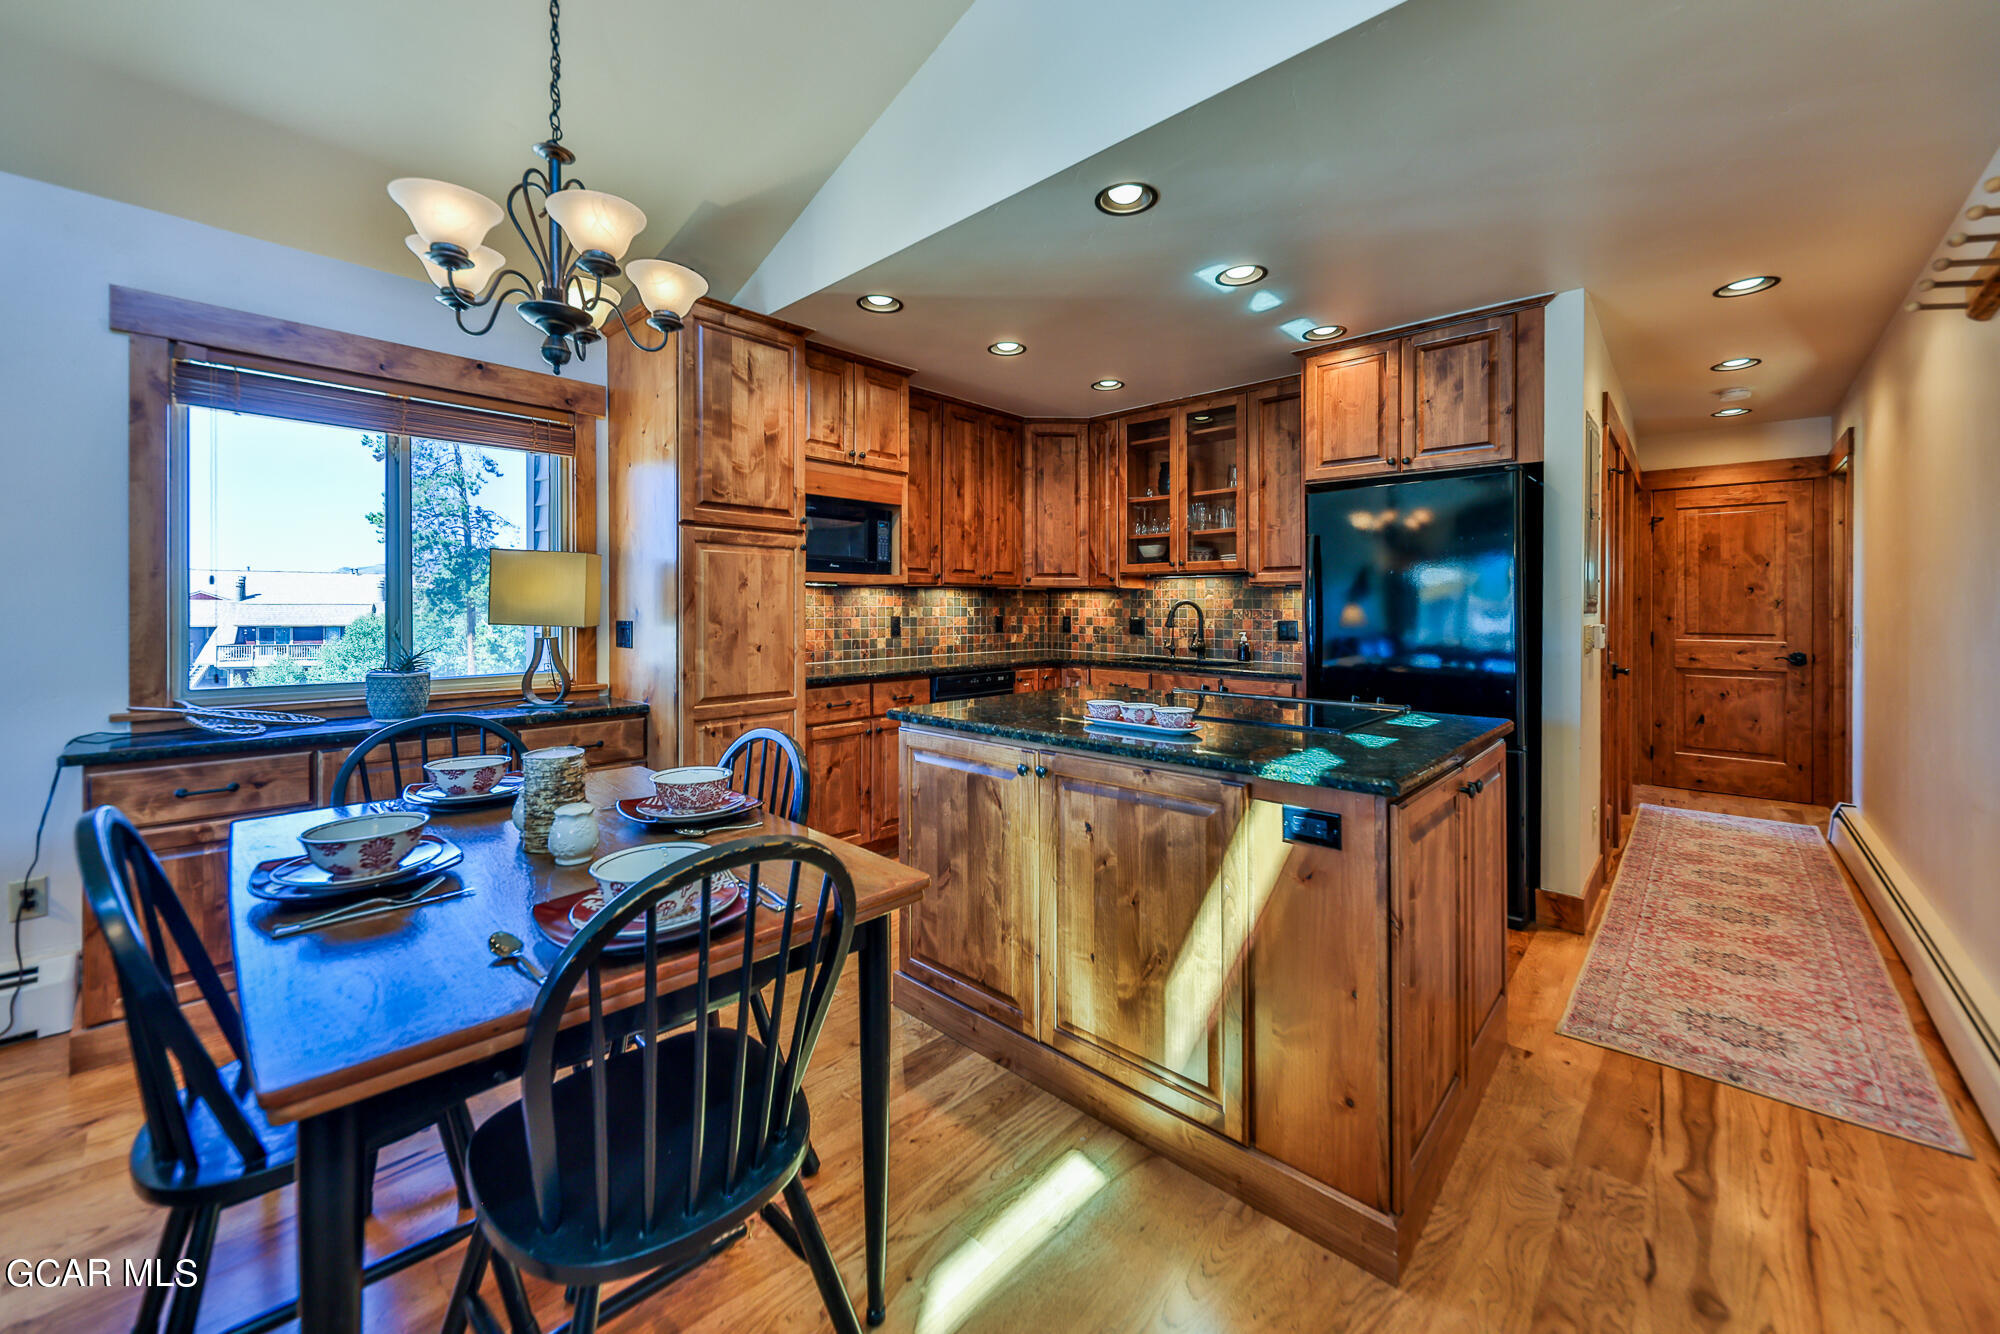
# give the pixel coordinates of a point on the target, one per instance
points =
(653, 812)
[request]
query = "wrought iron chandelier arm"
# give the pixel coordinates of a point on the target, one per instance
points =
(627, 320)
(519, 200)
(496, 299)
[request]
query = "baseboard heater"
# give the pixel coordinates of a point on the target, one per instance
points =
(43, 993)
(1959, 1001)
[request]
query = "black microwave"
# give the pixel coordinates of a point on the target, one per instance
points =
(849, 536)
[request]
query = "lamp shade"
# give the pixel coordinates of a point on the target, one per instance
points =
(666, 287)
(541, 587)
(594, 220)
(486, 265)
(441, 211)
(608, 297)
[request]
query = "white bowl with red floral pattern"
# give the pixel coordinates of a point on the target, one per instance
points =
(364, 844)
(467, 775)
(694, 790)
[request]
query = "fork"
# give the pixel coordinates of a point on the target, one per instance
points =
(387, 901)
(720, 828)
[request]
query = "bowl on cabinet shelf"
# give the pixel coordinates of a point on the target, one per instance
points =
(1152, 550)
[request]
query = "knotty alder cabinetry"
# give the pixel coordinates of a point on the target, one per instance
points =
(852, 756)
(1308, 1027)
(1446, 395)
(857, 411)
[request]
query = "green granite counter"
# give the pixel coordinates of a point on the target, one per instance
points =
(854, 670)
(1356, 749)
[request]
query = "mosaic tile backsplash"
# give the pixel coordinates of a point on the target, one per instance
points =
(851, 624)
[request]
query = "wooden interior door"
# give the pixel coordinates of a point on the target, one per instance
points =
(1735, 601)
(1142, 888)
(1619, 715)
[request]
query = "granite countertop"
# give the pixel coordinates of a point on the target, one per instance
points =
(1389, 755)
(882, 669)
(124, 746)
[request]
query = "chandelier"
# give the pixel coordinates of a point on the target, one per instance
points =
(575, 237)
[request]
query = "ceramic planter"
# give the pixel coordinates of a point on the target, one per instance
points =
(396, 695)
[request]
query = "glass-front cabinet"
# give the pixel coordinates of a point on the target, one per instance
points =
(1185, 477)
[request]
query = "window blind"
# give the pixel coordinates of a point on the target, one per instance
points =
(272, 394)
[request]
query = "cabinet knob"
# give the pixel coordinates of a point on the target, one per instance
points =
(1021, 769)
(1474, 788)
(1041, 771)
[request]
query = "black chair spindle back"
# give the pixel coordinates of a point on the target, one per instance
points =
(766, 763)
(453, 734)
(813, 933)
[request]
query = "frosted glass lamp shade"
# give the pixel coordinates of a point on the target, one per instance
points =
(541, 587)
(445, 213)
(594, 220)
(665, 287)
(486, 265)
(608, 297)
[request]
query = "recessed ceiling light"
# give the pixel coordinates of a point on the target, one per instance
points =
(1007, 347)
(1729, 412)
(875, 303)
(1319, 333)
(1762, 282)
(1737, 364)
(1107, 386)
(1127, 197)
(1241, 275)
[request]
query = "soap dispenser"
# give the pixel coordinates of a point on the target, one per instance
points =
(1242, 646)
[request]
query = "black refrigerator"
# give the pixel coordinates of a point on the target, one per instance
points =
(1427, 591)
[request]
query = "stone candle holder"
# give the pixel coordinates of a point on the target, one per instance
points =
(550, 777)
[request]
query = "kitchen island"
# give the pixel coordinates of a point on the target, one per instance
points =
(1274, 951)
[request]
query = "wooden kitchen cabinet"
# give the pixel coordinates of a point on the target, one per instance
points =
(740, 608)
(1107, 507)
(981, 501)
(921, 504)
(742, 459)
(1232, 685)
(856, 411)
(966, 807)
(1001, 510)
(1057, 526)
(1102, 678)
(1194, 458)
(1275, 537)
(1459, 394)
(1352, 401)
(1142, 887)
(839, 758)
(1482, 787)
(1451, 394)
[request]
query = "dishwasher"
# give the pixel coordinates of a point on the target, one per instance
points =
(972, 684)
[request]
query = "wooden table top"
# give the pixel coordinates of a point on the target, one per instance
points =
(334, 1016)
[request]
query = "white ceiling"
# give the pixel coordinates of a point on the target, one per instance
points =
(1453, 153)
(1445, 154)
(285, 120)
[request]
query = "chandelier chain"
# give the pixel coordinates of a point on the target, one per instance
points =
(555, 71)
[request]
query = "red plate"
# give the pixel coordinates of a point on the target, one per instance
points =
(554, 919)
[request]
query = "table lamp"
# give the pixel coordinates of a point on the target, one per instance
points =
(541, 589)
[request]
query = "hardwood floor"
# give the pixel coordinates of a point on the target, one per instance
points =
(1595, 1191)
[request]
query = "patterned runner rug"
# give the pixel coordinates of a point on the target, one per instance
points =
(1732, 948)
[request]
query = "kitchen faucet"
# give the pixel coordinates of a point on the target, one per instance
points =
(1199, 643)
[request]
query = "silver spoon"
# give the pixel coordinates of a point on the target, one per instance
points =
(506, 947)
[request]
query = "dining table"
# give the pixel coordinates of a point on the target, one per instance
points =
(360, 1031)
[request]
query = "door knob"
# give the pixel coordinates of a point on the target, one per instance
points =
(1795, 657)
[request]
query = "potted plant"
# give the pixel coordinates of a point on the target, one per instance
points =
(401, 687)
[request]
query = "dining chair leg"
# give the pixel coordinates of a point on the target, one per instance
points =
(514, 1297)
(811, 1168)
(781, 1228)
(585, 1319)
(454, 1133)
(173, 1239)
(201, 1242)
(369, 1161)
(471, 1273)
(831, 1291)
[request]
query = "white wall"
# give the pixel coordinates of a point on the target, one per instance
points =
(1744, 442)
(1926, 417)
(62, 511)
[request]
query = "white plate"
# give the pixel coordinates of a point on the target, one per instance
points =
(429, 794)
(300, 873)
(1146, 729)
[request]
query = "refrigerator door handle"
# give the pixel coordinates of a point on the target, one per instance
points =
(1309, 651)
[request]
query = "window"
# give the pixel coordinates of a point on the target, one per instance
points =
(318, 524)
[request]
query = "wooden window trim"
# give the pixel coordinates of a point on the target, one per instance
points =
(157, 323)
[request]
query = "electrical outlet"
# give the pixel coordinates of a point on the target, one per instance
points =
(1065, 625)
(1288, 632)
(623, 629)
(895, 627)
(1135, 625)
(999, 623)
(36, 896)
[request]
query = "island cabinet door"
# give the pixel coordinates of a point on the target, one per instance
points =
(1428, 1041)
(1142, 910)
(1482, 802)
(968, 823)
